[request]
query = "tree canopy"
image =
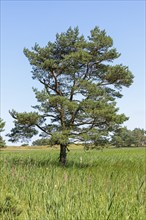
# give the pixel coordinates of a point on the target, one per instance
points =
(80, 87)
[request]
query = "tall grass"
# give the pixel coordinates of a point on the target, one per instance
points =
(94, 185)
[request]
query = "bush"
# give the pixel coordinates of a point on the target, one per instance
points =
(24, 145)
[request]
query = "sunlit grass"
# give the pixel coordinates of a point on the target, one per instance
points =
(94, 185)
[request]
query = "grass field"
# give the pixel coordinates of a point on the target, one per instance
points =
(95, 185)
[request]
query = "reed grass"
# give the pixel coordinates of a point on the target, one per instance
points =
(104, 185)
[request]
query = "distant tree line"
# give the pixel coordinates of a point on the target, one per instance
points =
(41, 142)
(129, 138)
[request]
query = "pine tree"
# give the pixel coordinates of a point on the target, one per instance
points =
(80, 88)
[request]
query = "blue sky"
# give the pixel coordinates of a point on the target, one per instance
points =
(25, 22)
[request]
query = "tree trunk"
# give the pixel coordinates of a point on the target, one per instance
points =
(63, 148)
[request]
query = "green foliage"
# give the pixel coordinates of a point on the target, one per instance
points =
(2, 143)
(107, 184)
(2, 125)
(59, 138)
(139, 136)
(127, 138)
(25, 124)
(80, 88)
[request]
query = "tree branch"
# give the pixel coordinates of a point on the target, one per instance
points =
(56, 84)
(43, 129)
(72, 91)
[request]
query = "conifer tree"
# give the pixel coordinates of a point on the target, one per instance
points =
(80, 88)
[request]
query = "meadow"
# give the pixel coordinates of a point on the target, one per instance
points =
(95, 185)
